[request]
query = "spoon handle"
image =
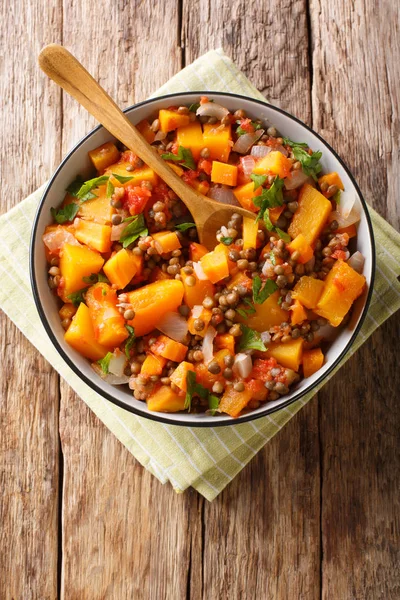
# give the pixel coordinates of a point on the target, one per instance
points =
(61, 66)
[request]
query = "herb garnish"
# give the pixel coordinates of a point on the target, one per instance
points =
(226, 240)
(130, 341)
(251, 340)
(122, 178)
(269, 198)
(192, 387)
(75, 186)
(309, 162)
(213, 403)
(95, 277)
(77, 297)
(184, 226)
(260, 295)
(105, 362)
(184, 157)
(249, 310)
(110, 189)
(194, 107)
(241, 131)
(85, 192)
(136, 228)
(67, 213)
(283, 235)
(259, 180)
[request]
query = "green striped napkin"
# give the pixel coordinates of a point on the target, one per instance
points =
(206, 459)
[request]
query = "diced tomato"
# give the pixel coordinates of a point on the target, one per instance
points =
(129, 156)
(135, 199)
(247, 125)
(204, 100)
(261, 369)
(205, 165)
(340, 255)
(258, 390)
(189, 176)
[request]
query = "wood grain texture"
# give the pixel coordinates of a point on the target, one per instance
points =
(29, 397)
(355, 107)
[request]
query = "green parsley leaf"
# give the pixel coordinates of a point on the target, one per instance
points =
(130, 341)
(336, 197)
(75, 186)
(251, 340)
(267, 220)
(104, 292)
(283, 235)
(105, 362)
(110, 189)
(280, 300)
(269, 198)
(272, 258)
(309, 163)
(77, 297)
(259, 180)
(249, 310)
(95, 277)
(67, 213)
(194, 107)
(213, 403)
(184, 226)
(184, 157)
(136, 228)
(240, 131)
(85, 191)
(292, 144)
(121, 178)
(192, 387)
(260, 295)
(226, 240)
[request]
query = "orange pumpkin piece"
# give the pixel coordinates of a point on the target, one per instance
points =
(77, 262)
(275, 163)
(298, 313)
(191, 136)
(158, 274)
(301, 245)
(200, 186)
(152, 301)
(233, 402)
(195, 294)
(145, 129)
(242, 279)
(166, 241)
(171, 119)
(104, 156)
(179, 376)
(135, 177)
(288, 355)
(153, 365)
(197, 251)
(97, 209)
(258, 390)
(67, 311)
(311, 215)
(165, 400)
(312, 361)
(267, 315)
(108, 323)
(122, 267)
(223, 173)
(245, 194)
(204, 376)
(169, 349)
(275, 213)
(308, 291)
(331, 179)
(205, 316)
(94, 235)
(218, 140)
(227, 341)
(342, 286)
(250, 229)
(80, 335)
(215, 265)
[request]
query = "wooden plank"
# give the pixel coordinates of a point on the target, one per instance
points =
(356, 109)
(124, 534)
(29, 397)
(261, 536)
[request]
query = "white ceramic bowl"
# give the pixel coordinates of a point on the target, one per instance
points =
(77, 161)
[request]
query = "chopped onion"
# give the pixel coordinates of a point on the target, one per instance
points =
(327, 332)
(356, 261)
(242, 365)
(295, 179)
(248, 163)
(116, 231)
(198, 269)
(224, 230)
(207, 348)
(348, 204)
(268, 269)
(174, 326)
(260, 151)
(196, 311)
(110, 377)
(265, 337)
(212, 109)
(223, 195)
(353, 217)
(117, 363)
(245, 142)
(54, 240)
(281, 149)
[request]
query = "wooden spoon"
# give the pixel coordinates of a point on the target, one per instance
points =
(61, 66)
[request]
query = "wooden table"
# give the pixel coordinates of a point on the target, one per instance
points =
(317, 512)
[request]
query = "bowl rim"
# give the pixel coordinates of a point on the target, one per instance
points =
(159, 417)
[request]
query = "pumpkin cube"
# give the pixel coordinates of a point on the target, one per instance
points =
(218, 140)
(227, 341)
(165, 400)
(223, 173)
(169, 349)
(171, 119)
(275, 213)
(104, 156)
(288, 355)
(197, 251)
(166, 241)
(80, 335)
(98, 209)
(215, 265)
(77, 262)
(94, 235)
(308, 291)
(122, 267)
(108, 323)
(152, 301)
(301, 245)
(298, 313)
(245, 193)
(342, 286)
(311, 215)
(135, 177)
(194, 295)
(250, 229)
(274, 163)
(312, 361)
(145, 129)
(331, 179)
(233, 402)
(179, 376)
(205, 316)
(153, 365)
(191, 136)
(267, 315)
